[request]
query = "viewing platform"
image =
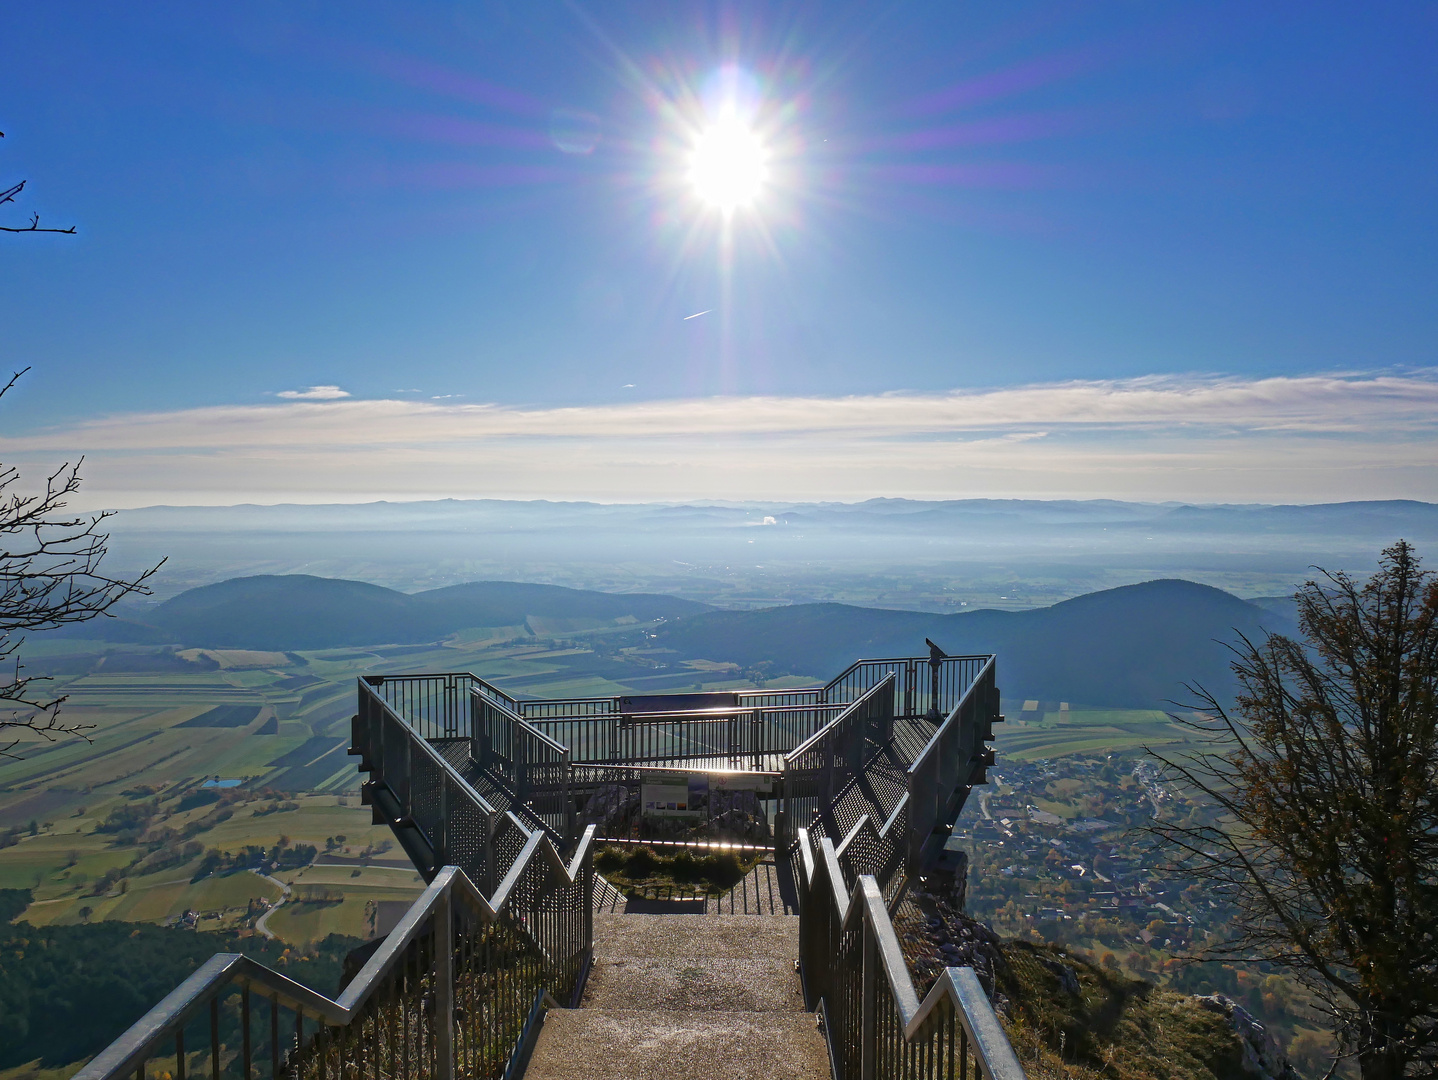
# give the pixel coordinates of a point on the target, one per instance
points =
(841, 796)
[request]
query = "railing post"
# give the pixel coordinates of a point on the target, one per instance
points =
(476, 747)
(444, 985)
(521, 761)
(828, 769)
(491, 879)
(441, 827)
(404, 778)
(784, 820)
(588, 878)
(571, 822)
(869, 999)
(377, 734)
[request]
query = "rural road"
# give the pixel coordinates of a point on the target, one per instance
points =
(261, 924)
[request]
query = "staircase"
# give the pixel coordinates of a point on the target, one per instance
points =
(686, 995)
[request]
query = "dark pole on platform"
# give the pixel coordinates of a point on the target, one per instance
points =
(936, 661)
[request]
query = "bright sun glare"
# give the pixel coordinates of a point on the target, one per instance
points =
(728, 165)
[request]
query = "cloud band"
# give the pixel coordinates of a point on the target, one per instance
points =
(1301, 438)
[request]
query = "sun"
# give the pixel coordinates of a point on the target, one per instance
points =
(728, 166)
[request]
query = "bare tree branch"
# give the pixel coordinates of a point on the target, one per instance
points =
(8, 196)
(50, 576)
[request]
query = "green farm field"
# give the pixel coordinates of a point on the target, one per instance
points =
(1047, 731)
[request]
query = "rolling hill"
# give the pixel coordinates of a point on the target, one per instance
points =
(298, 611)
(1131, 647)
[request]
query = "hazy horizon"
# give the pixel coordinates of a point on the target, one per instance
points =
(940, 556)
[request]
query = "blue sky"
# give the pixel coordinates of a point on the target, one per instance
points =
(1121, 249)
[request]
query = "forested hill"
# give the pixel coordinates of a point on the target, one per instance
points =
(298, 611)
(1133, 646)
(67, 991)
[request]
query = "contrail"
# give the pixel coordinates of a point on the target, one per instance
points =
(696, 314)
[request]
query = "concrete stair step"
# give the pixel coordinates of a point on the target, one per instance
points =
(690, 983)
(637, 1044)
(691, 995)
(736, 963)
(689, 935)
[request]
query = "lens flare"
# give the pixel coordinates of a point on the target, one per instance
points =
(729, 164)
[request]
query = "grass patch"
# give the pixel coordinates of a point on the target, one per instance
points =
(1064, 810)
(1087, 732)
(633, 869)
(35, 1070)
(1115, 1027)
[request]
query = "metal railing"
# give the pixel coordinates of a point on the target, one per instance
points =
(454, 990)
(822, 766)
(533, 767)
(721, 805)
(437, 703)
(720, 737)
(852, 965)
(922, 687)
(436, 815)
(953, 761)
(743, 700)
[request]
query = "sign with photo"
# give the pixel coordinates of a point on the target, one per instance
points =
(676, 795)
(696, 794)
(760, 785)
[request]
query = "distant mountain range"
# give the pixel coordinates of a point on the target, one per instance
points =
(1134, 646)
(904, 553)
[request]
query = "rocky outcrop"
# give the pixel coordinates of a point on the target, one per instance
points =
(1263, 1057)
(935, 934)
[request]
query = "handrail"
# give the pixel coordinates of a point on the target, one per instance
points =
(432, 913)
(951, 762)
(512, 764)
(953, 717)
(718, 712)
(857, 664)
(437, 759)
(601, 766)
(857, 920)
(433, 757)
(818, 736)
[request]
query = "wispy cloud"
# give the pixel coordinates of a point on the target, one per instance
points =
(314, 393)
(1304, 438)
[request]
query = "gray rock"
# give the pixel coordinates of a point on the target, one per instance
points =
(1263, 1057)
(1067, 976)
